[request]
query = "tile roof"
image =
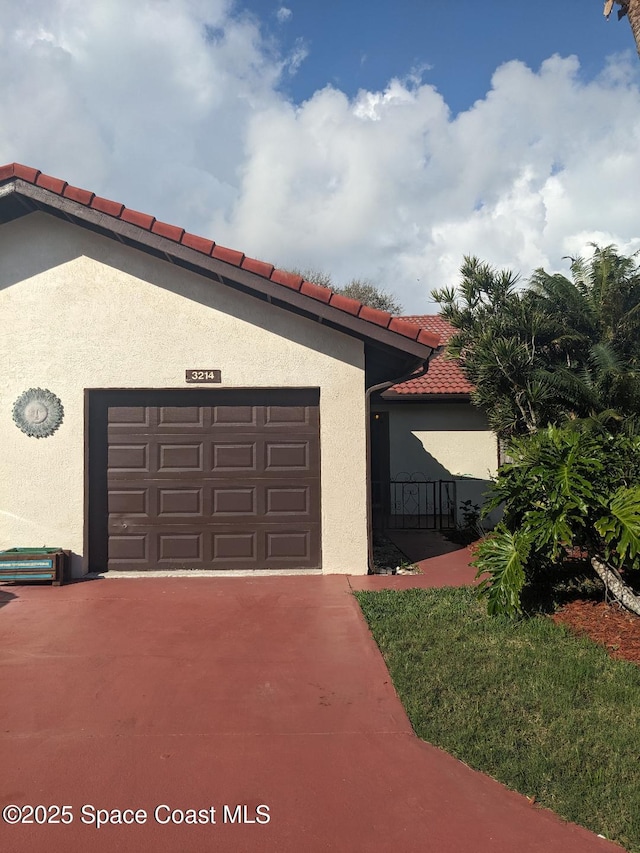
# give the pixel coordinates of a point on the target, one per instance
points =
(444, 375)
(401, 326)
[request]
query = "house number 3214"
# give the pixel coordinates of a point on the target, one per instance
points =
(203, 376)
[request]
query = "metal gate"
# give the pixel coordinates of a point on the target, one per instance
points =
(412, 502)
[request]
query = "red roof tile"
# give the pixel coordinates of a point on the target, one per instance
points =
(76, 194)
(408, 329)
(105, 205)
(200, 244)
(171, 232)
(258, 267)
(427, 335)
(288, 279)
(374, 315)
(229, 256)
(142, 220)
(17, 170)
(444, 375)
(345, 303)
(315, 291)
(53, 184)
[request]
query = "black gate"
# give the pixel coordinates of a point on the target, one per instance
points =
(411, 502)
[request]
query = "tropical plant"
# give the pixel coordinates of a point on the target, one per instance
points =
(469, 527)
(560, 348)
(564, 487)
(501, 560)
(503, 343)
(629, 8)
(596, 353)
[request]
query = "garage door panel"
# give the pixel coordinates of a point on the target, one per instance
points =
(242, 416)
(287, 456)
(287, 500)
(263, 547)
(128, 458)
(186, 502)
(217, 486)
(290, 416)
(234, 456)
(179, 456)
(157, 499)
(278, 457)
(132, 548)
(181, 416)
(291, 545)
(129, 501)
(183, 502)
(288, 544)
(234, 500)
(181, 547)
(171, 456)
(128, 416)
(234, 547)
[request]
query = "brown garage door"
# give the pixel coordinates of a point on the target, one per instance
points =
(208, 479)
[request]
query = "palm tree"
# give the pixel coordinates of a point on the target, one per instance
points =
(563, 348)
(563, 351)
(630, 8)
(596, 368)
(501, 342)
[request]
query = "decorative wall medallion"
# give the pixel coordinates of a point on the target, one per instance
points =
(38, 412)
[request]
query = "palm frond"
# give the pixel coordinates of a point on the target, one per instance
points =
(604, 359)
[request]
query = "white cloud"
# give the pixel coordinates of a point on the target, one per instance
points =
(174, 108)
(297, 56)
(390, 186)
(283, 14)
(148, 103)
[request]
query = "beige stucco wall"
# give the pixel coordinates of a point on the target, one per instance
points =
(439, 439)
(82, 311)
(443, 441)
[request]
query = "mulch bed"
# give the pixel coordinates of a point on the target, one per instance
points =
(607, 624)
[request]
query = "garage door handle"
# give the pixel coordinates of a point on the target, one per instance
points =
(124, 526)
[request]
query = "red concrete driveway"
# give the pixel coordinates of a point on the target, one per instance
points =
(229, 702)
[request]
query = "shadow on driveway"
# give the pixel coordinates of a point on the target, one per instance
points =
(6, 596)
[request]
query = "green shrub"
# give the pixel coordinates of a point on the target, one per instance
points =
(563, 487)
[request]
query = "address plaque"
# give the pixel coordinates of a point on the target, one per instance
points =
(203, 376)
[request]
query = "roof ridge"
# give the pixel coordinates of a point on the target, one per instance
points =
(399, 325)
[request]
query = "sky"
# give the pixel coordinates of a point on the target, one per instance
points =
(380, 141)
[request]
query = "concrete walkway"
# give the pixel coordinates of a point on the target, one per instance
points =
(204, 693)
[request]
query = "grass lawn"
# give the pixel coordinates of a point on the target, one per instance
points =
(545, 713)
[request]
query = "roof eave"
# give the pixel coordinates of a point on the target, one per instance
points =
(32, 198)
(400, 397)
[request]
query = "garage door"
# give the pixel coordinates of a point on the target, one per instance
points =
(209, 479)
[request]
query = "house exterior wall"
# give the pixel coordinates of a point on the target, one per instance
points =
(442, 441)
(81, 311)
(447, 438)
